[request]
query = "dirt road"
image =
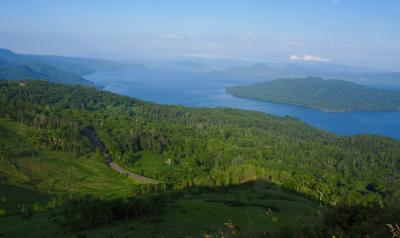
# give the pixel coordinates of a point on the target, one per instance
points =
(96, 142)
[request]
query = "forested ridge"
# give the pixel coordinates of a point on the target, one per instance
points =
(15, 66)
(326, 95)
(213, 147)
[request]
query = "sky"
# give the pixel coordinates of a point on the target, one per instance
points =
(356, 32)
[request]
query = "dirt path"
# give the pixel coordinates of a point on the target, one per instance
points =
(96, 142)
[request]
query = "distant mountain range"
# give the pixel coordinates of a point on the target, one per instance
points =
(326, 95)
(262, 72)
(79, 66)
(70, 70)
(56, 69)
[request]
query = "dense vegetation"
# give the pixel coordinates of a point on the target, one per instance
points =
(42, 130)
(326, 95)
(15, 67)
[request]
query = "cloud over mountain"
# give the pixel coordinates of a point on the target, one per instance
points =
(308, 58)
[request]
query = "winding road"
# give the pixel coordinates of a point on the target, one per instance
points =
(96, 142)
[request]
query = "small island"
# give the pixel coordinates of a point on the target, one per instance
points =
(326, 95)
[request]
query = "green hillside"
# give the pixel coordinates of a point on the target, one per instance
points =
(39, 172)
(37, 176)
(78, 66)
(15, 67)
(220, 170)
(326, 95)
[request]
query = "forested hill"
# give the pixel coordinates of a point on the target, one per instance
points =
(187, 146)
(16, 66)
(78, 66)
(326, 95)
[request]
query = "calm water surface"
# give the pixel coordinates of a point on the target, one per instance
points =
(207, 90)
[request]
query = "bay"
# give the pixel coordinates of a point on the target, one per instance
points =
(199, 89)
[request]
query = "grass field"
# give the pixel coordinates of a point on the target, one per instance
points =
(251, 209)
(148, 163)
(41, 177)
(35, 177)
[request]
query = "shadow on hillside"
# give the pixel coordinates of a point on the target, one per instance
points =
(13, 197)
(155, 200)
(152, 205)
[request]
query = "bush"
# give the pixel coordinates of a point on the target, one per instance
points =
(358, 221)
(90, 212)
(36, 207)
(2, 213)
(26, 211)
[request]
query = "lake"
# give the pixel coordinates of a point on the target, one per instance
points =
(199, 89)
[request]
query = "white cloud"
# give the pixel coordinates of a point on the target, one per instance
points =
(308, 58)
(246, 37)
(295, 58)
(173, 37)
(314, 58)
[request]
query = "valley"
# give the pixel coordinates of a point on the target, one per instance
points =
(203, 152)
(199, 119)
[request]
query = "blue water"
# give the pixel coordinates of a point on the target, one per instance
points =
(208, 90)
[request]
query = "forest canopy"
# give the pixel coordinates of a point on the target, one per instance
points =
(213, 147)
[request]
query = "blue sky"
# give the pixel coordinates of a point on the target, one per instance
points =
(359, 32)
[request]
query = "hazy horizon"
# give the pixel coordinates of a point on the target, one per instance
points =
(363, 33)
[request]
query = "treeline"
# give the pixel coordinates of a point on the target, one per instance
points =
(210, 146)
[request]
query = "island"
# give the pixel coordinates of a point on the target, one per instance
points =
(326, 95)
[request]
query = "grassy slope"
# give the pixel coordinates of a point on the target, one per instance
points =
(29, 176)
(194, 215)
(36, 178)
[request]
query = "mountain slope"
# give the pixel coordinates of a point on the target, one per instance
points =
(78, 66)
(15, 66)
(209, 146)
(326, 95)
(204, 159)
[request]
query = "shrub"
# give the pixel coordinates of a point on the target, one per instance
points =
(2, 212)
(89, 212)
(26, 211)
